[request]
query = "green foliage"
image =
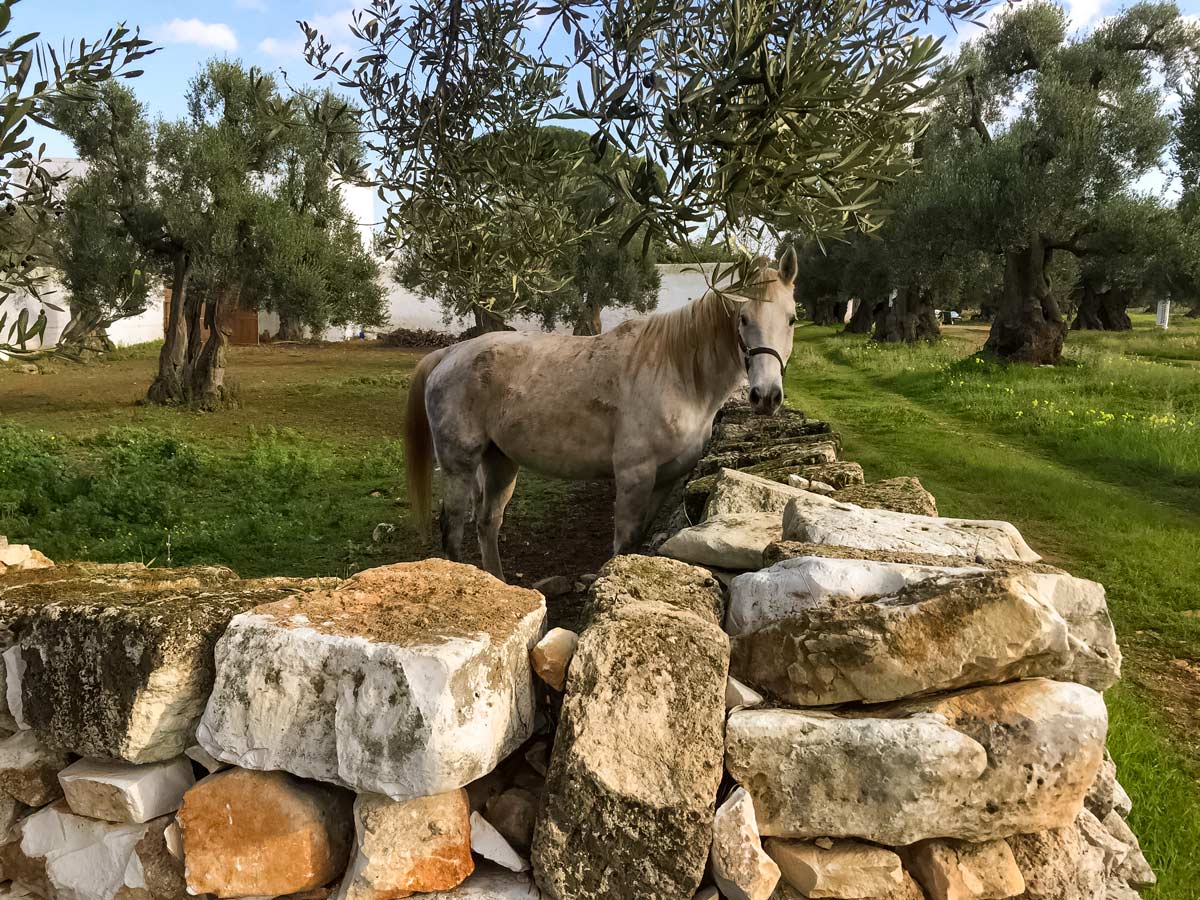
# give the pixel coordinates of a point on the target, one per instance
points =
(37, 77)
(736, 117)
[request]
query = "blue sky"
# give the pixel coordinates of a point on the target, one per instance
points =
(264, 33)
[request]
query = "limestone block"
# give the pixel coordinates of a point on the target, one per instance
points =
(124, 792)
(844, 869)
(905, 494)
(976, 765)
(741, 869)
(140, 704)
(794, 585)
(733, 541)
(406, 680)
(630, 794)
(29, 769)
(263, 834)
(493, 846)
(961, 870)
(408, 846)
(848, 525)
(552, 655)
(939, 634)
(69, 857)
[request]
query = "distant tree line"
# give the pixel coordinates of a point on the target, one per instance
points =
(1024, 204)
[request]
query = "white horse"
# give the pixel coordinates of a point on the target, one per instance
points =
(634, 404)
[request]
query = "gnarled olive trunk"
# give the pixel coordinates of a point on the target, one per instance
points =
(207, 388)
(906, 318)
(863, 317)
(826, 310)
(289, 329)
(588, 320)
(1029, 327)
(170, 385)
(1102, 310)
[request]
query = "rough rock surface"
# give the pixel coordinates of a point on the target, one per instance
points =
(1058, 864)
(801, 583)
(21, 558)
(733, 541)
(906, 495)
(408, 846)
(741, 869)
(124, 792)
(406, 680)
(513, 813)
(938, 634)
(961, 870)
(781, 550)
(978, 764)
(551, 656)
(490, 844)
(844, 869)
(141, 704)
(838, 475)
(491, 883)
(737, 492)
(263, 834)
(879, 529)
(70, 857)
(633, 778)
(29, 770)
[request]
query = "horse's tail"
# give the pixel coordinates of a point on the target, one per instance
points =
(418, 444)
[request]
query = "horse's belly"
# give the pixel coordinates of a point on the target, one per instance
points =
(573, 449)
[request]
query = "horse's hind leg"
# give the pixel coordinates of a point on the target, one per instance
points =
(458, 488)
(498, 477)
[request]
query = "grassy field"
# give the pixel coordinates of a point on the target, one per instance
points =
(305, 478)
(1097, 462)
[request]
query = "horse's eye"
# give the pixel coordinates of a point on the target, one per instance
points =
(791, 320)
(745, 319)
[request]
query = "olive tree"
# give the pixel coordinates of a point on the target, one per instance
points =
(746, 120)
(36, 77)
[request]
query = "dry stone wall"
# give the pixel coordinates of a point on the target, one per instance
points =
(818, 688)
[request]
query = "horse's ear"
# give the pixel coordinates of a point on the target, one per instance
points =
(788, 265)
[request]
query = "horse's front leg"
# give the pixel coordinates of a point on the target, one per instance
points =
(635, 494)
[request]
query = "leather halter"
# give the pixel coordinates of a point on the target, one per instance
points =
(749, 353)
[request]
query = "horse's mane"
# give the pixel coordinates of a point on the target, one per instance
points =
(698, 340)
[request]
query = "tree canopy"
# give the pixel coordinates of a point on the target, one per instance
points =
(743, 121)
(36, 77)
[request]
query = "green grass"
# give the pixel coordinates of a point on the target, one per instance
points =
(1101, 474)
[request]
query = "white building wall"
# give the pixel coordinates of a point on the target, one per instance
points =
(134, 330)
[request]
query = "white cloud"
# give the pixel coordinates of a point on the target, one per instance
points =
(334, 27)
(193, 31)
(1082, 13)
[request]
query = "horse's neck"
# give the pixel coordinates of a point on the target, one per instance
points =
(718, 354)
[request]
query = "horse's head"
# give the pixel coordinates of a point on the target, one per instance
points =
(765, 330)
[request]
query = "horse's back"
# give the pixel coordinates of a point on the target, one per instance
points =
(548, 401)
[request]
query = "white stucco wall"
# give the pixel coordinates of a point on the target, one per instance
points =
(135, 330)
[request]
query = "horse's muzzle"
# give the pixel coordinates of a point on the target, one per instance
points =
(766, 402)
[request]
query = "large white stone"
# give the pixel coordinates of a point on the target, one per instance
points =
(939, 634)
(734, 541)
(848, 525)
(977, 765)
(76, 858)
(741, 869)
(407, 680)
(125, 792)
(788, 587)
(736, 493)
(492, 845)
